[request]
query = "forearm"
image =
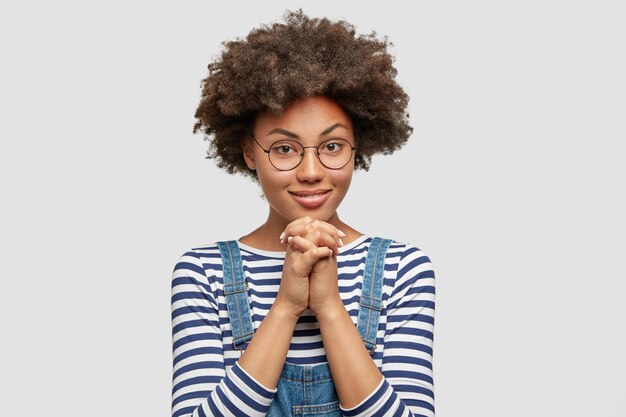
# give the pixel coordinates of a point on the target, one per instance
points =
(265, 355)
(355, 374)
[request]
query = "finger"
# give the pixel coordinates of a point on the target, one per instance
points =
(316, 254)
(302, 220)
(300, 244)
(310, 253)
(315, 238)
(305, 245)
(302, 227)
(321, 238)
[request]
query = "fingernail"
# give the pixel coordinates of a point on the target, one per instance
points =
(289, 239)
(340, 242)
(282, 236)
(340, 233)
(331, 253)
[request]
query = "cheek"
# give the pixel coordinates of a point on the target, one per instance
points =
(342, 178)
(272, 180)
(341, 182)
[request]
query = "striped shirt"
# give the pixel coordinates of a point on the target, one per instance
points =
(207, 380)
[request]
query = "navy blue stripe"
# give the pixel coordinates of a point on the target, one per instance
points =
(410, 317)
(306, 346)
(185, 280)
(201, 412)
(409, 375)
(205, 350)
(189, 325)
(252, 384)
(418, 304)
(351, 263)
(409, 345)
(183, 411)
(408, 359)
(188, 266)
(308, 360)
(426, 289)
(226, 402)
(191, 295)
(263, 282)
(244, 397)
(388, 404)
(401, 408)
(196, 380)
(262, 294)
(194, 309)
(190, 396)
(214, 410)
(419, 403)
(263, 269)
(412, 264)
(413, 332)
(202, 254)
(413, 388)
(195, 338)
(196, 366)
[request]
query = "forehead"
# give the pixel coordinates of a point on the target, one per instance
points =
(309, 116)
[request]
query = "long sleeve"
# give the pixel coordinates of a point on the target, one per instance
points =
(201, 386)
(407, 386)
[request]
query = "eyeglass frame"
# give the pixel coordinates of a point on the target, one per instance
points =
(267, 151)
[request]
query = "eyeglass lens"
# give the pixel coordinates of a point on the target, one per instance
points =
(287, 154)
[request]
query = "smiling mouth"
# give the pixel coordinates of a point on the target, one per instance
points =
(309, 194)
(310, 199)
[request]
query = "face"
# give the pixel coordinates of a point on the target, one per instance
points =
(310, 189)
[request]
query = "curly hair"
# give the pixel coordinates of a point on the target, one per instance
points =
(276, 65)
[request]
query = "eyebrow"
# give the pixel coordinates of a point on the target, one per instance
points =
(294, 136)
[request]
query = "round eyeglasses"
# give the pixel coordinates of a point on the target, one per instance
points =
(286, 154)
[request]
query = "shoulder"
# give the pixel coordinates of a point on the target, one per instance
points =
(405, 255)
(413, 258)
(399, 254)
(413, 269)
(198, 263)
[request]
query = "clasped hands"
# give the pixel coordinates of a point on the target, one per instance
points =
(309, 277)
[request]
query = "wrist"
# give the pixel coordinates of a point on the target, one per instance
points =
(287, 313)
(331, 310)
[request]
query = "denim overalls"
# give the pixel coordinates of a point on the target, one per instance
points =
(304, 390)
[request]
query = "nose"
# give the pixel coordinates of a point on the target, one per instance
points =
(310, 168)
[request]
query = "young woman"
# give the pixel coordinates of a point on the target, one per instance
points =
(304, 315)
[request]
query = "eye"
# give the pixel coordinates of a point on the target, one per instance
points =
(284, 149)
(332, 147)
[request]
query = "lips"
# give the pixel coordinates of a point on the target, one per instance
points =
(310, 198)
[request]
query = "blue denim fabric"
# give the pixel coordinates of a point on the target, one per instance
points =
(304, 390)
(236, 293)
(370, 302)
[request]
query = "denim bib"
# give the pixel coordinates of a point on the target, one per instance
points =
(304, 390)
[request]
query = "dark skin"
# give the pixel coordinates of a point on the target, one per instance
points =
(311, 232)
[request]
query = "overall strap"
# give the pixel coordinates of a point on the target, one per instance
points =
(236, 293)
(371, 302)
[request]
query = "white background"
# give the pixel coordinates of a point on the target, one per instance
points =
(513, 183)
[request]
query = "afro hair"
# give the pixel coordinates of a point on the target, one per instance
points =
(277, 64)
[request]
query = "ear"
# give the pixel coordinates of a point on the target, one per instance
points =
(248, 155)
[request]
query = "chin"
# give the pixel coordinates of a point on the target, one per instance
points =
(318, 214)
(322, 214)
